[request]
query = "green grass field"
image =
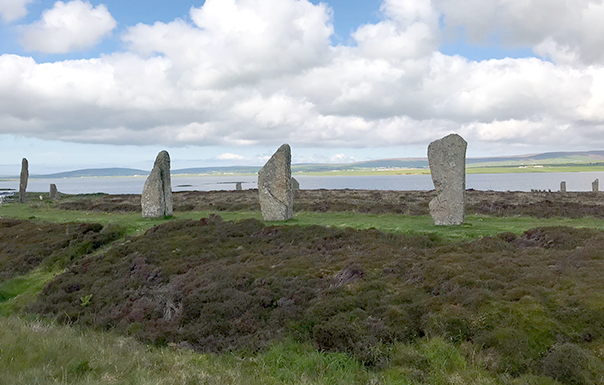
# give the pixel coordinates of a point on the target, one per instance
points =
(475, 226)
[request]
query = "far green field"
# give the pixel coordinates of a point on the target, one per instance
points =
(470, 169)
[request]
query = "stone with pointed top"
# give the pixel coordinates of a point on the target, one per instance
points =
(295, 184)
(23, 180)
(54, 194)
(275, 186)
(447, 159)
(156, 200)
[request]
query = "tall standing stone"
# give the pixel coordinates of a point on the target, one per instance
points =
(156, 200)
(238, 186)
(563, 186)
(275, 186)
(447, 159)
(54, 194)
(595, 185)
(23, 180)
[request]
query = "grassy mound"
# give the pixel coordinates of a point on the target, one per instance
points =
(515, 304)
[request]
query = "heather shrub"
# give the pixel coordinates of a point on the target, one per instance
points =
(572, 365)
(25, 245)
(215, 286)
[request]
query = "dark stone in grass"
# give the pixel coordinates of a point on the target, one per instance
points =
(23, 180)
(54, 194)
(447, 158)
(275, 186)
(156, 200)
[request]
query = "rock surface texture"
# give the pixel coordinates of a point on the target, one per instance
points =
(275, 186)
(595, 185)
(563, 186)
(156, 200)
(447, 158)
(23, 180)
(295, 184)
(54, 194)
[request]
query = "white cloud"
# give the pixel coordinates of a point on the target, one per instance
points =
(341, 158)
(239, 42)
(67, 27)
(229, 156)
(567, 31)
(11, 10)
(262, 73)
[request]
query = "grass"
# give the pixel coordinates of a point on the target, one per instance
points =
(36, 352)
(475, 227)
(18, 292)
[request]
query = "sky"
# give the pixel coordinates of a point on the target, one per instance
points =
(91, 84)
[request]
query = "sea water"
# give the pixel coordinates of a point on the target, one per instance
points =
(575, 181)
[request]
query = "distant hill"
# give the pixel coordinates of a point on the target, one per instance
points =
(548, 158)
(94, 172)
(217, 170)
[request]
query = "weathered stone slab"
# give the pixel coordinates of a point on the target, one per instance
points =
(295, 184)
(447, 159)
(54, 194)
(563, 186)
(275, 186)
(238, 186)
(23, 180)
(156, 200)
(595, 185)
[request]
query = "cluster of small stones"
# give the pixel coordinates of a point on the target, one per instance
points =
(447, 159)
(23, 180)
(156, 200)
(275, 187)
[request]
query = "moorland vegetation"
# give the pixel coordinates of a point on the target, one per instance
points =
(199, 298)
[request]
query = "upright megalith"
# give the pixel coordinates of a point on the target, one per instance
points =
(563, 187)
(447, 159)
(23, 180)
(156, 200)
(238, 186)
(595, 185)
(275, 186)
(295, 184)
(54, 194)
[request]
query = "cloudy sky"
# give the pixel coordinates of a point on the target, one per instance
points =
(110, 83)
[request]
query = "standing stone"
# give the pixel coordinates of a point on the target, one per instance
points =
(447, 159)
(563, 186)
(595, 186)
(23, 181)
(156, 200)
(54, 194)
(275, 186)
(238, 186)
(295, 184)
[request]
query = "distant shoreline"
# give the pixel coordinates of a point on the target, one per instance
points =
(370, 172)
